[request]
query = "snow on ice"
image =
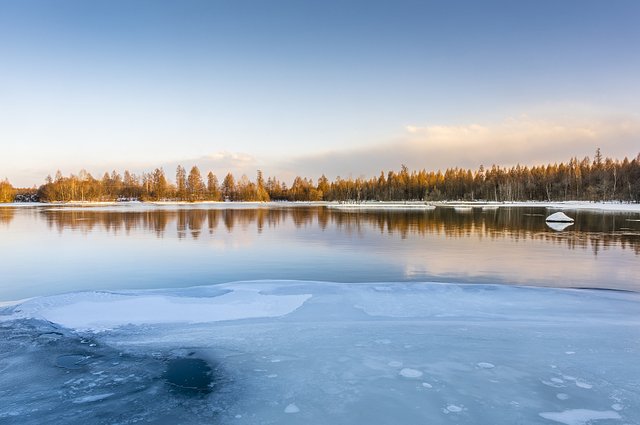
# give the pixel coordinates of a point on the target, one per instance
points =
(579, 416)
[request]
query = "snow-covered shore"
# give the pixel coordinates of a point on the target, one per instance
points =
(395, 206)
(567, 205)
(487, 205)
(354, 206)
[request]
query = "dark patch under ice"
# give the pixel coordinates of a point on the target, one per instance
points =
(70, 379)
(189, 375)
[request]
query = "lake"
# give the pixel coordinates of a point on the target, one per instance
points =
(290, 314)
(49, 250)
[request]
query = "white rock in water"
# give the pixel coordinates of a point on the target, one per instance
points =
(560, 217)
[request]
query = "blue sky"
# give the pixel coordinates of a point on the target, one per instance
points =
(345, 88)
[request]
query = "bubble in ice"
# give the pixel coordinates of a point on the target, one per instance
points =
(291, 408)
(410, 373)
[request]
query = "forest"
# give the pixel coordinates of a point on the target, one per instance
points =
(597, 179)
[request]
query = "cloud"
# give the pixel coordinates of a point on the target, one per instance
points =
(523, 132)
(525, 140)
(228, 160)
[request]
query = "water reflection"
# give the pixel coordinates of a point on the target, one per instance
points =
(591, 230)
(49, 250)
(558, 227)
(6, 215)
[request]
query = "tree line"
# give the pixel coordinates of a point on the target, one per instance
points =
(597, 179)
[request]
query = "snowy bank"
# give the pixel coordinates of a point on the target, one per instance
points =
(382, 206)
(568, 205)
(362, 206)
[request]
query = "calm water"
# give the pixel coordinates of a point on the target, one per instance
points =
(47, 250)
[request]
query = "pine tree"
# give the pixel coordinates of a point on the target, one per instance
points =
(181, 183)
(213, 191)
(229, 188)
(195, 185)
(6, 191)
(323, 187)
(261, 193)
(159, 185)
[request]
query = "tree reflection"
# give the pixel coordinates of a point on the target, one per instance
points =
(595, 231)
(6, 215)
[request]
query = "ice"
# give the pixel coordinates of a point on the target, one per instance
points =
(464, 209)
(579, 416)
(317, 353)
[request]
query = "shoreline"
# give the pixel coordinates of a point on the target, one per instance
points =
(353, 206)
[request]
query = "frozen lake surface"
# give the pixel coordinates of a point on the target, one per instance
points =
(128, 315)
(282, 352)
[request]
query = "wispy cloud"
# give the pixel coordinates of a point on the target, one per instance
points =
(524, 132)
(524, 139)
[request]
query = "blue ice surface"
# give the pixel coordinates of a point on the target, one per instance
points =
(383, 353)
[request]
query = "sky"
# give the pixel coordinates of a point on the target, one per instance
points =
(344, 88)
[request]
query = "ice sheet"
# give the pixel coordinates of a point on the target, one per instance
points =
(317, 353)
